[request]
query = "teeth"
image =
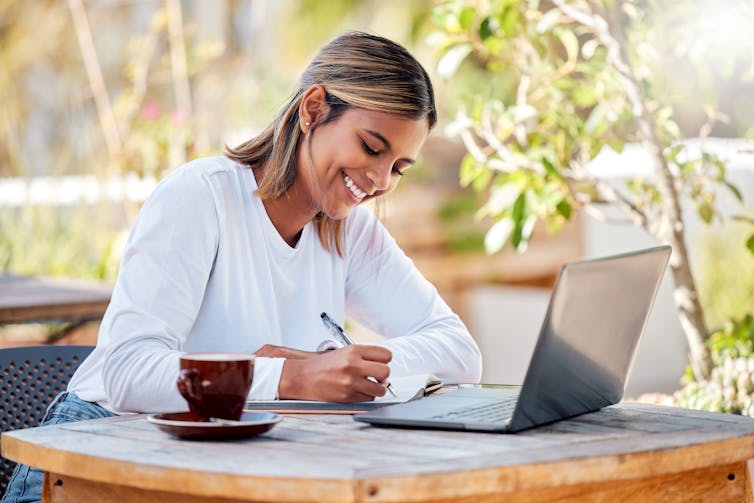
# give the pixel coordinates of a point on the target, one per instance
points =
(355, 190)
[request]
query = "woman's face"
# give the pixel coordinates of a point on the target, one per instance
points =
(359, 156)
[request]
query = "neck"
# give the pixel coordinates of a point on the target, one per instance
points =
(290, 212)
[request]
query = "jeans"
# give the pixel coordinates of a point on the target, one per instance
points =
(25, 485)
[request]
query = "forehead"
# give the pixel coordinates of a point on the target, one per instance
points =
(405, 135)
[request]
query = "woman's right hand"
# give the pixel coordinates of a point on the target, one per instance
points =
(340, 375)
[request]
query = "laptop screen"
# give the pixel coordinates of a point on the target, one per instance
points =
(597, 313)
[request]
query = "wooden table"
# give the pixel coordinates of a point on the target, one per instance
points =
(25, 299)
(628, 452)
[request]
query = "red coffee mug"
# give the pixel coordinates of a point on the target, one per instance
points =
(215, 385)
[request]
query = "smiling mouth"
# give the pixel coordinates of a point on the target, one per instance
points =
(355, 190)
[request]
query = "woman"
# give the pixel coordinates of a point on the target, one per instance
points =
(242, 253)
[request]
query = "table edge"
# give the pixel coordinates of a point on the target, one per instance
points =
(366, 487)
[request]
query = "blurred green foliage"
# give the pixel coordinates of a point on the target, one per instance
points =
(731, 386)
(464, 233)
(543, 98)
(726, 274)
(75, 242)
(734, 340)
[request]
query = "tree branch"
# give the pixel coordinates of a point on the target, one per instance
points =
(96, 81)
(181, 85)
(669, 228)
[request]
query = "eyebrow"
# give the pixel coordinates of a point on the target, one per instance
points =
(387, 144)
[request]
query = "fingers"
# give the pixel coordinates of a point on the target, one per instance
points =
(364, 361)
(373, 353)
(368, 389)
(365, 376)
(379, 371)
(350, 374)
(358, 389)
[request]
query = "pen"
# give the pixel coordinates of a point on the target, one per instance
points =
(341, 335)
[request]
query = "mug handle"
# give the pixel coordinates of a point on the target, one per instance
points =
(189, 386)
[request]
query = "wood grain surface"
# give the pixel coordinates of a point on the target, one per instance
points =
(627, 452)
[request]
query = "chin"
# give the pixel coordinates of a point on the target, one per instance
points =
(339, 213)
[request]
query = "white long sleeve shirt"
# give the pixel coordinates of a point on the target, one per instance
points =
(204, 269)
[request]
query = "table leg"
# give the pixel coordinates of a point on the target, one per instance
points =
(46, 489)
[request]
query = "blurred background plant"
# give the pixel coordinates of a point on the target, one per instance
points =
(107, 88)
(730, 388)
(574, 78)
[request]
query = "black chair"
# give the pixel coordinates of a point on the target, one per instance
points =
(30, 378)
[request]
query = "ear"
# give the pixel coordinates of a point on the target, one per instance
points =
(313, 107)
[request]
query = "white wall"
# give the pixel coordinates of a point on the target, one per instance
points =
(506, 320)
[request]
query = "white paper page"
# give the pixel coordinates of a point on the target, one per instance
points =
(405, 387)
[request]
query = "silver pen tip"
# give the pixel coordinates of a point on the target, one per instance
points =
(390, 389)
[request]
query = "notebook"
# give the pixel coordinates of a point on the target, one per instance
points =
(596, 315)
(407, 388)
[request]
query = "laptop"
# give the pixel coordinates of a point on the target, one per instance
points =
(590, 333)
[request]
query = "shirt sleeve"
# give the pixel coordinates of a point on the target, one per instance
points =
(387, 294)
(158, 294)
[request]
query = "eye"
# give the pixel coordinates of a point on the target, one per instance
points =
(397, 171)
(368, 149)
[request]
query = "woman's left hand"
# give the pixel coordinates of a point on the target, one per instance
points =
(273, 351)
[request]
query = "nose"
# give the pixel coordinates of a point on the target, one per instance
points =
(379, 175)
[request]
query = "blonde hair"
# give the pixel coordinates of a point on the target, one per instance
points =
(357, 70)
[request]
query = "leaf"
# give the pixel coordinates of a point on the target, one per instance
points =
(584, 96)
(547, 21)
(498, 235)
(466, 18)
(596, 118)
(734, 190)
(551, 169)
(571, 44)
(452, 59)
(527, 231)
(564, 208)
(519, 207)
(519, 215)
(488, 27)
(482, 180)
(510, 20)
(750, 244)
(495, 45)
(501, 197)
(706, 211)
(616, 144)
(468, 170)
(673, 151)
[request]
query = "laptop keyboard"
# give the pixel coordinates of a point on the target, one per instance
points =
(498, 412)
